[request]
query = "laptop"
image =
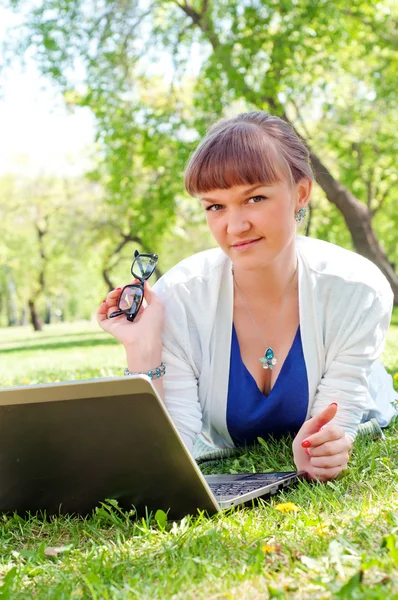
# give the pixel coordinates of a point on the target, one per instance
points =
(65, 447)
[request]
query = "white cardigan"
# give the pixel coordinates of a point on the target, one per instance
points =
(345, 308)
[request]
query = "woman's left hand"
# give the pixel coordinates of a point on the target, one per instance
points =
(321, 448)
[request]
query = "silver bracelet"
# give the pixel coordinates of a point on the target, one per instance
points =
(153, 373)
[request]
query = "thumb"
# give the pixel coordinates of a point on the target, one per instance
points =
(314, 424)
(149, 294)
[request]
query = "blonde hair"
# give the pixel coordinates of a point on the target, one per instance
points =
(252, 147)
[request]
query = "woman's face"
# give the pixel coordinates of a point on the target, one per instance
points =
(254, 224)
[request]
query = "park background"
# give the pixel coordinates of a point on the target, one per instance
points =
(141, 83)
(101, 104)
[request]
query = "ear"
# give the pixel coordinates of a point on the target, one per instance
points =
(303, 192)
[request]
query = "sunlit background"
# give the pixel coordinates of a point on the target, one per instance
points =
(102, 103)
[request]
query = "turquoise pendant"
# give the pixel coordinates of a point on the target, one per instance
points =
(268, 360)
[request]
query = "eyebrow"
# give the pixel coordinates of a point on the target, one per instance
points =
(245, 193)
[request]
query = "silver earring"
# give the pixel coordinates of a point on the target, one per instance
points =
(300, 214)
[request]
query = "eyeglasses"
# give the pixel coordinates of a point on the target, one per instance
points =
(132, 295)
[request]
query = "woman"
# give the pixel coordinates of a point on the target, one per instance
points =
(271, 332)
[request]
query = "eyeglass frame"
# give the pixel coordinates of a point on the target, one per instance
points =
(130, 316)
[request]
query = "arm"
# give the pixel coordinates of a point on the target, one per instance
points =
(141, 338)
(322, 445)
(181, 379)
(160, 332)
(350, 361)
(181, 396)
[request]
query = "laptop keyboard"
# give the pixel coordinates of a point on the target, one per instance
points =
(239, 488)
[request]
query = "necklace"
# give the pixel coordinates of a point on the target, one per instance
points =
(269, 359)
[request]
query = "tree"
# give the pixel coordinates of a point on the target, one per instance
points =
(282, 56)
(46, 244)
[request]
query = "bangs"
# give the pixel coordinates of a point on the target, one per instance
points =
(241, 154)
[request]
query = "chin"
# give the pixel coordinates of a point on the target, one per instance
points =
(250, 263)
(254, 260)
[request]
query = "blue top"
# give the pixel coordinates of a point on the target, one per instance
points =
(252, 414)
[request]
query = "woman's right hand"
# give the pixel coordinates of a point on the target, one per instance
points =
(144, 333)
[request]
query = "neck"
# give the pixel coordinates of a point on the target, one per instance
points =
(269, 282)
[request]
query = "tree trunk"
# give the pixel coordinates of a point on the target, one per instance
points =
(358, 219)
(107, 279)
(12, 310)
(34, 317)
(49, 312)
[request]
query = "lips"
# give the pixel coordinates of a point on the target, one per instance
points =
(244, 243)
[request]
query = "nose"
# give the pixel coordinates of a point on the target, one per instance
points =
(237, 223)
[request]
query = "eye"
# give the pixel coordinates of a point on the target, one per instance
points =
(213, 207)
(256, 199)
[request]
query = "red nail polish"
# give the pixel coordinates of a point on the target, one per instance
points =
(306, 444)
(118, 289)
(334, 404)
(103, 301)
(307, 451)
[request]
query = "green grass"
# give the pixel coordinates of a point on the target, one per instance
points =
(58, 353)
(341, 540)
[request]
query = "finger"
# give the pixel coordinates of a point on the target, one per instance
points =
(150, 299)
(104, 313)
(329, 448)
(328, 434)
(325, 474)
(102, 316)
(101, 312)
(113, 295)
(142, 307)
(150, 295)
(323, 418)
(144, 302)
(330, 462)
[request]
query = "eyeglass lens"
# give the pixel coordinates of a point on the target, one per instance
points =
(131, 299)
(143, 266)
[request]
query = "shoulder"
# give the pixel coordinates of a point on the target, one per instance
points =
(197, 269)
(341, 268)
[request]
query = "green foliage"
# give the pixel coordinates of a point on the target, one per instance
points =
(156, 76)
(331, 68)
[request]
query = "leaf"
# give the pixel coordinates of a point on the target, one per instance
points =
(5, 589)
(161, 519)
(275, 592)
(390, 542)
(262, 442)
